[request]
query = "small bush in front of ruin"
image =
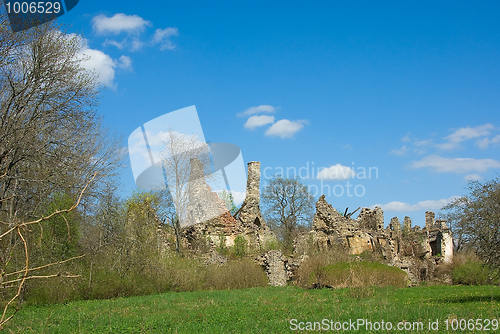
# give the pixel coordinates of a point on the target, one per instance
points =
(315, 260)
(236, 274)
(468, 269)
(240, 246)
(358, 274)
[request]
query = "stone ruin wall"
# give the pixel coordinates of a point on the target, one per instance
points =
(205, 234)
(415, 250)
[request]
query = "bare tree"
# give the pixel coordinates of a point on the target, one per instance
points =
(180, 150)
(51, 140)
(475, 220)
(288, 207)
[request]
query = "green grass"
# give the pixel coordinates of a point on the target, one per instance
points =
(259, 310)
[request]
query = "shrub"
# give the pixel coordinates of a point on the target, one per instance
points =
(236, 274)
(358, 274)
(221, 245)
(317, 260)
(240, 246)
(271, 244)
(468, 269)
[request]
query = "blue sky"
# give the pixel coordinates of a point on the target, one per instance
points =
(409, 89)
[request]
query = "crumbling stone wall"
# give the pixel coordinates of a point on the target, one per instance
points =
(206, 232)
(277, 267)
(249, 215)
(250, 209)
(410, 248)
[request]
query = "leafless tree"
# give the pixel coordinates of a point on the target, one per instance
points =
(51, 140)
(288, 207)
(179, 150)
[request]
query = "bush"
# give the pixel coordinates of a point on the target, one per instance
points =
(236, 274)
(221, 244)
(240, 246)
(316, 260)
(357, 274)
(468, 269)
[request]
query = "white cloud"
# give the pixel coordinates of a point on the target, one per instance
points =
(255, 121)
(119, 45)
(473, 177)
(463, 134)
(257, 110)
(102, 64)
(118, 23)
(162, 37)
(402, 151)
(423, 205)
(485, 142)
(455, 165)
(136, 45)
(238, 197)
(336, 172)
(124, 62)
(285, 128)
(406, 138)
(99, 63)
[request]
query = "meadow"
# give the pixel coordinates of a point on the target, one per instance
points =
(272, 310)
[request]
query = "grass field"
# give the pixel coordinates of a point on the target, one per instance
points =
(267, 310)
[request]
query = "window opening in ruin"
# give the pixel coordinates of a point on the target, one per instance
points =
(434, 248)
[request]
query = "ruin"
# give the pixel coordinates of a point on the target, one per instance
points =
(415, 250)
(207, 233)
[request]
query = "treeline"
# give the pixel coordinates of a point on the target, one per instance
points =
(128, 251)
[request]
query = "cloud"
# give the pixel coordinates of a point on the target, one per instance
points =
(119, 45)
(402, 151)
(124, 62)
(336, 172)
(455, 165)
(136, 45)
(485, 142)
(102, 64)
(257, 110)
(423, 205)
(406, 138)
(238, 197)
(285, 128)
(162, 37)
(463, 134)
(119, 23)
(99, 63)
(473, 177)
(255, 121)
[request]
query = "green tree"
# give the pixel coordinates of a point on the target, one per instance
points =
(228, 199)
(475, 220)
(59, 235)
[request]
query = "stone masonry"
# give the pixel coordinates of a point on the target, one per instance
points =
(417, 251)
(206, 233)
